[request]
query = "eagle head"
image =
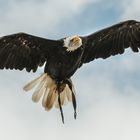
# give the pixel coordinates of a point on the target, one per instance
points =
(72, 43)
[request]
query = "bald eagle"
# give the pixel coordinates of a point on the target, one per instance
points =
(63, 57)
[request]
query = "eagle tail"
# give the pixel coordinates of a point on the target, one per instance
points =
(54, 93)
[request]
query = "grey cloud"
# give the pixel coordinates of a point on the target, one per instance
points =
(131, 9)
(45, 16)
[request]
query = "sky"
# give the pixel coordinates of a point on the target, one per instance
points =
(108, 91)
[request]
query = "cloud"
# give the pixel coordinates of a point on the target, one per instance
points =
(130, 9)
(38, 17)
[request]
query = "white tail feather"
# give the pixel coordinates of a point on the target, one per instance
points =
(48, 89)
(39, 91)
(50, 100)
(63, 97)
(69, 94)
(45, 97)
(33, 83)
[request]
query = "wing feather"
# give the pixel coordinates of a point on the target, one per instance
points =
(112, 41)
(21, 50)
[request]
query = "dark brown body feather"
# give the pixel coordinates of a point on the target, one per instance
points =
(64, 65)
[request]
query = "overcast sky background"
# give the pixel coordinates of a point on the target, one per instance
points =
(108, 91)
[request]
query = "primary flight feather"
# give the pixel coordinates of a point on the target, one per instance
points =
(63, 57)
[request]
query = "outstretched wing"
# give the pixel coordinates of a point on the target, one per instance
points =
(112, 41)
(19, 51)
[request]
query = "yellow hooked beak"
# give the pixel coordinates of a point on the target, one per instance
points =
(75, 41)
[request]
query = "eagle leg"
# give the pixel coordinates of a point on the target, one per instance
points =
(73, 97)
(59, 101)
